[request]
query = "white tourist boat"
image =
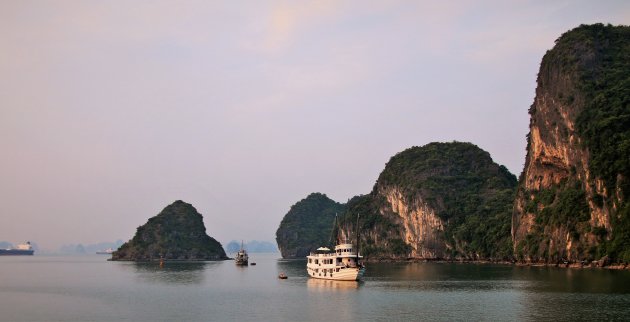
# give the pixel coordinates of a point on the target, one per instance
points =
(343, 264)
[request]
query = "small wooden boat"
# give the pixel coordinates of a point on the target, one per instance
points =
(241, 257)
(282, 276)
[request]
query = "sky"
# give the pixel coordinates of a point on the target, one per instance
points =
(112, 110)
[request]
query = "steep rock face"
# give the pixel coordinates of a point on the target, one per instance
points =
(421, 227)
(438, 201)
(568, 197)
(307, 225)
(176, 233)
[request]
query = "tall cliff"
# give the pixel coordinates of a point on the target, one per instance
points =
(176, 233)
(571, 200)
(442, 200)
(307, 225)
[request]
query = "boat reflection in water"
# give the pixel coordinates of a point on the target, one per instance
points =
(322, 285)
(168, 273)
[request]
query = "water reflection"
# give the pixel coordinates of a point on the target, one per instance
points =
(571, 280)
(319, 285)
(575, 294)
(292, 267)
(443, 277)
(169, 272)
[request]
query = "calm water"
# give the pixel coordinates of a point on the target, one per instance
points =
(39, 288)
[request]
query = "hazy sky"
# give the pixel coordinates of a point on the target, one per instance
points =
(111, 110)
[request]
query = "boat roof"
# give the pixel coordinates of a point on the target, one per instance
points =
(324, 249)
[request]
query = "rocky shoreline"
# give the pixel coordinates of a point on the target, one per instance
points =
(602, 264)
(170, 260)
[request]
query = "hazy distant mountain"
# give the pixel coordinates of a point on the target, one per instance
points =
(80, 249)
(252, 246)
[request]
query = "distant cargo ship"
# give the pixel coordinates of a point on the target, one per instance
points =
(21, 249)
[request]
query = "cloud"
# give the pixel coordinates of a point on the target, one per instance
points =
(276, 28)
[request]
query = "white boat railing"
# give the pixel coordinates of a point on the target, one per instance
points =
(334, 255)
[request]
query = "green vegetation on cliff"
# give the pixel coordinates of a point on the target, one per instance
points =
(307, 225)
(468, 191)
(597, 59)
(176, 233)
(563, 207)
(604, 124)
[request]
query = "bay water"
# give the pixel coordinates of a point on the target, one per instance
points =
(90, 288)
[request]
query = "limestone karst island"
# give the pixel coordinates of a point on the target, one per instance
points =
(451, 201)
(176, 233)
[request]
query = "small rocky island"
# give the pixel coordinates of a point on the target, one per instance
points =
(307, 225)
(176, 233)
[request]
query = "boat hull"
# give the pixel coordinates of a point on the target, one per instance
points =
(346, 274)
(15, 252)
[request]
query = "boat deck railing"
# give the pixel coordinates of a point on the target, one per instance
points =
(333, 254)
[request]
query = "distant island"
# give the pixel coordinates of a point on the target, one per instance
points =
(307, 225)
(176, 233)
(88, 249)
(452, 201)
(252, 246)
